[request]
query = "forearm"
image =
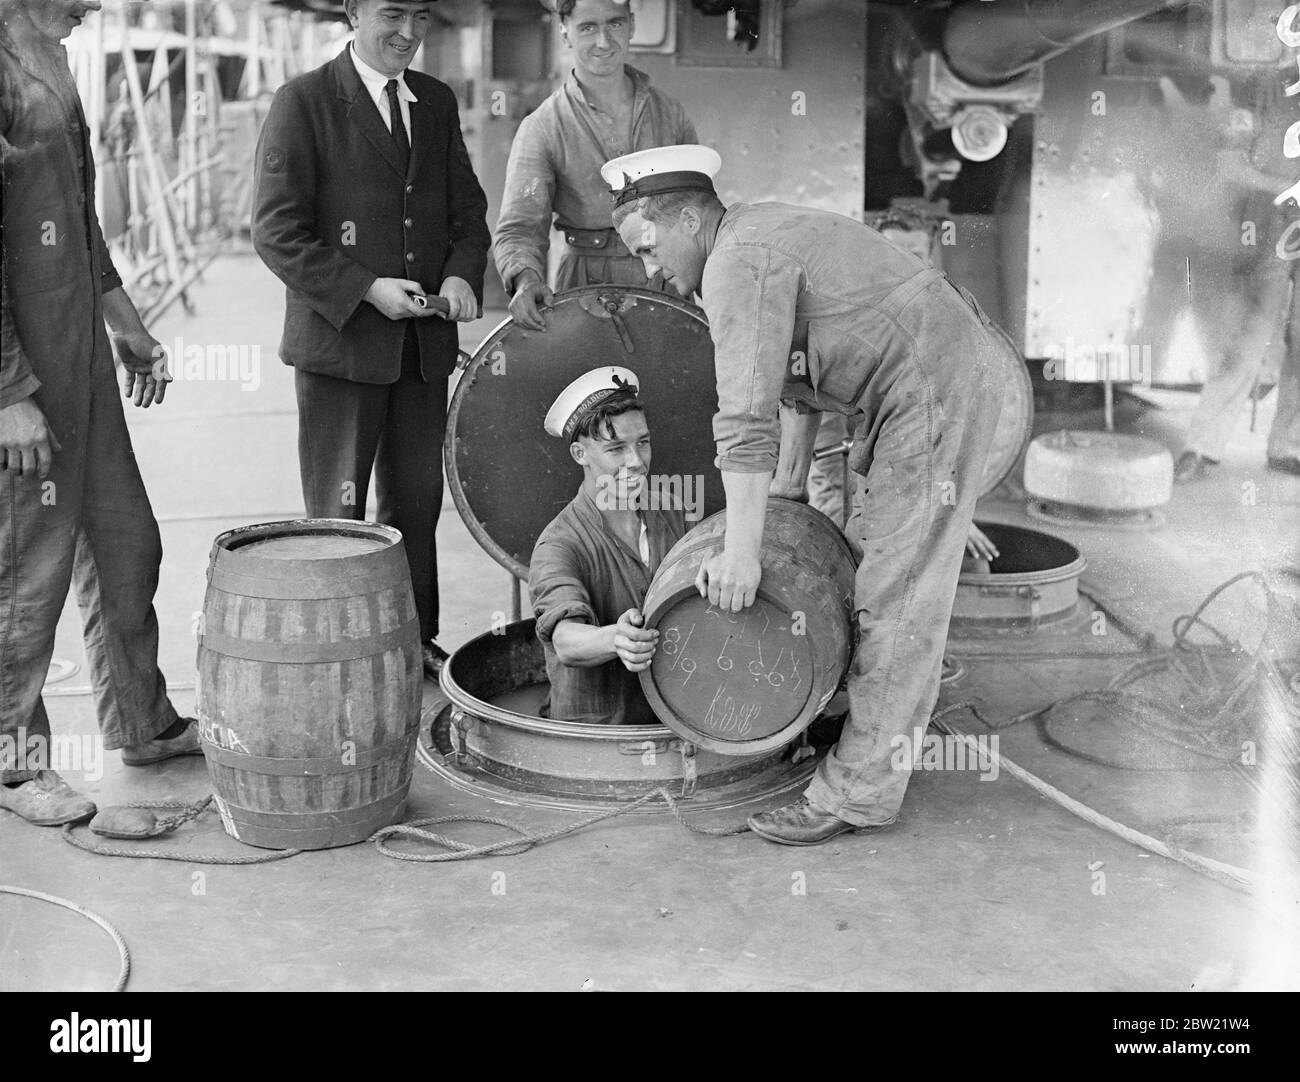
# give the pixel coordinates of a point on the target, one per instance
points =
(746, 509)
(751, 295)
(582, 645)
(121, 313)
(798, 446)
(519, 259)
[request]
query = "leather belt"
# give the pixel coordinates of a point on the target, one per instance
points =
(594, 241)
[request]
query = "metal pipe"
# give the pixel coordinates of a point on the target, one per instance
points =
(190, 131)
(992, 41)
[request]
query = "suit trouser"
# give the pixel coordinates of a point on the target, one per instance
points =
(346, 429)
(924, 452)
(90, 521)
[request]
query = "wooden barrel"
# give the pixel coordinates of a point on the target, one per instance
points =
(747, 682)
(309, 681)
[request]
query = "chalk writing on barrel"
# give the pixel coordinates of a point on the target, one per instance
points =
(221, 735)
(673, 645)
(727, 716)
(673, 649)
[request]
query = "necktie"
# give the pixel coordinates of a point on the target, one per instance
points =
(398, 126)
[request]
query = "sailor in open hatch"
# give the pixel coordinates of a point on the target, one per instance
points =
(591, 567)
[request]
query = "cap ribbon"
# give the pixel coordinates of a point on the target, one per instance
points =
(592, 401)
(682, 180)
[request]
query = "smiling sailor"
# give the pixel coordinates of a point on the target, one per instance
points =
(591, 567)
(812, 311)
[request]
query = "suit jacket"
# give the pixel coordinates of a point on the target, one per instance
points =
(333, 212)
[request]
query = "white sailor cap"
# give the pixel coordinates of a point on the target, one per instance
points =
(689, 167)
(588, 390)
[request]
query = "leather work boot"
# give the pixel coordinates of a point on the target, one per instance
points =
(803, 823)
(158, 749)
(46, 801)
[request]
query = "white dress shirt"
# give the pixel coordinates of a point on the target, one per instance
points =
(375, 82)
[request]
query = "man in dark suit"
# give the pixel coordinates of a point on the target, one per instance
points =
(366, 202)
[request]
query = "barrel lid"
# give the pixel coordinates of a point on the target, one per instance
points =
(311, 547)
(756, 676)
(307, 539)
(308, 558)
(744, 683)
(507, 477)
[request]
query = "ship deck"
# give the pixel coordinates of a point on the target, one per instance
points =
(984, 884)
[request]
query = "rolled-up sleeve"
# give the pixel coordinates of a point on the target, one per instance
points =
(555, 585)
(524, 226)
(109, 279)
(750, 293)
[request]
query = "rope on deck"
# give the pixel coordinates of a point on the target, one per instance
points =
(459, 850)
(1227, 874)
(166, 825)
(124, 971)
(525, 841)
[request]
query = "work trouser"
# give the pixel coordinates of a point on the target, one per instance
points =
(1247, 322)
(91, 518)
(922, 453)
(346, 429)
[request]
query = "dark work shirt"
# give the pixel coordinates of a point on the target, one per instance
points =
(581, 570)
